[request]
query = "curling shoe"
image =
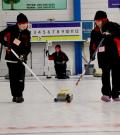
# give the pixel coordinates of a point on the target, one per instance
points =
(14, 99)
(19, 99)
(105, 98)
(116, 99)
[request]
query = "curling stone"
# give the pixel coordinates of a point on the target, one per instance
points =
(97, 72)
(64, 96)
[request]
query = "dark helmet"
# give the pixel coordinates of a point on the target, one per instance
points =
(21, 18)
(100, 15)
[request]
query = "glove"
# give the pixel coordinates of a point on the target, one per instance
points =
(23, 58)
(47, 53)
(106, 33)
(63, 62)
(8, 50)
(92, 58)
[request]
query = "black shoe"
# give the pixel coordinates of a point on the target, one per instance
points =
(19, 99)
(60, 77)
(7, 76)
(14, 99)
(56, 76)
(67, 77)
(63, 77)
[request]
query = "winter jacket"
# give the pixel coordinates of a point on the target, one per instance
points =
(59, 58)
(8, 38)
(109, 51)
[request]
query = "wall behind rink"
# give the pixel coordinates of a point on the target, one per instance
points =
(89, 7)
(38, 48)
(38, 15)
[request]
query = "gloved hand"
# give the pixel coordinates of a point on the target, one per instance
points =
(106, 34)
(92, 58)
(23, 58)
(63, 62)
(47, 53)
(8, 50)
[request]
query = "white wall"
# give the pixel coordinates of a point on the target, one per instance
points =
(89, 8)
(38, 15)
(37, 49)
(68, 48)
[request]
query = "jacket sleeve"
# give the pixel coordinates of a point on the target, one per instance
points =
(5, 37)
(52, 56)
(28, 44)
(113, 29)
(93, 45)
(116, 32)
(65, 57)
(116, 36)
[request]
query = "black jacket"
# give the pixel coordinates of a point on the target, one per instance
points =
(7, 38)
(109, 55)
(59, 58)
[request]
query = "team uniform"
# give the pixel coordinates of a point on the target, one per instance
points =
(60, 60)
(108, 57)
(18, 40)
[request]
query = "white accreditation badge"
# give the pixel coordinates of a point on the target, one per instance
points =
(101, 49)
(16, 42)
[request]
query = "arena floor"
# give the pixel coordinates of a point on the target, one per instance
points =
(40, 115)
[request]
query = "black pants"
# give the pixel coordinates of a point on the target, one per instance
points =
(17, 78)
(60, 70)
(111, 88)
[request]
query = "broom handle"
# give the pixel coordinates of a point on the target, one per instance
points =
(89, 62)
(30, 70)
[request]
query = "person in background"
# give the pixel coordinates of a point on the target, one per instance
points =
(60, 61)
(16, 37)
(108, 54)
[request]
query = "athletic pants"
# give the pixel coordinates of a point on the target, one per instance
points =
(17, 78)
(111, 87)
